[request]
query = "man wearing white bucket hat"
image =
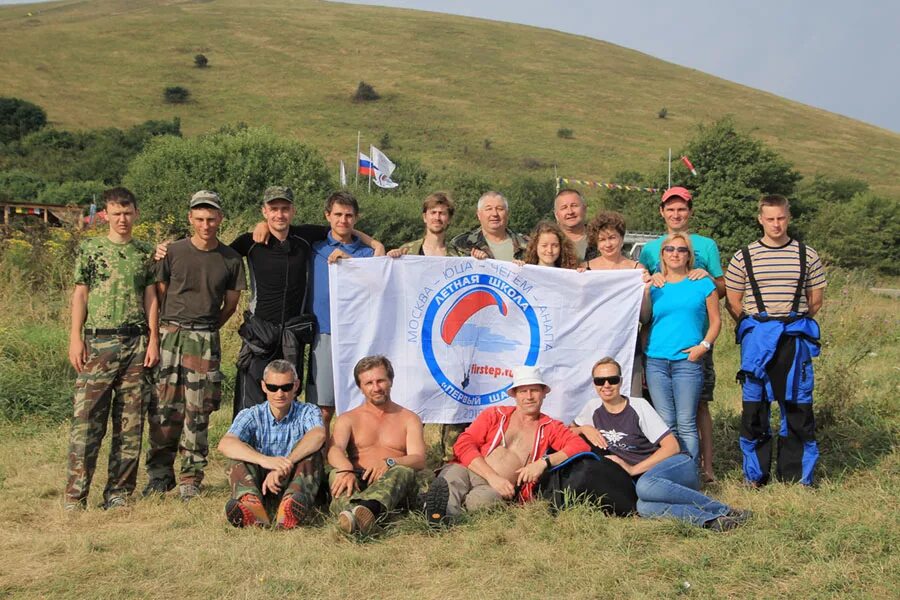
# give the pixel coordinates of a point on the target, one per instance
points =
(503, 453)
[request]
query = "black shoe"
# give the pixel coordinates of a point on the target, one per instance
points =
(435, 502)
(158, 487)
(722, 524)
(739, 515)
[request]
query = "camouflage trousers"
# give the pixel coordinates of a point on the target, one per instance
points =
(449, 435)
(188, 390)
(305, 483)
(113, 378)
(396, 489)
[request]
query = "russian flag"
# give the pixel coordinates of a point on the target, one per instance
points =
(365, 165)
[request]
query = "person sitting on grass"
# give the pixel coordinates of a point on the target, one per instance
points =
(637, 439)
(274, 451)
(376, 450)
(503, 453)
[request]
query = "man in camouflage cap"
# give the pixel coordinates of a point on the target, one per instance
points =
(113, 341)
(201, 281)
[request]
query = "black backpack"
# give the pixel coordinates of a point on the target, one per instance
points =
(589, 477)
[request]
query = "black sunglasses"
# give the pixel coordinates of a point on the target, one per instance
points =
(679, 249)
(612, 380)
(285, 387)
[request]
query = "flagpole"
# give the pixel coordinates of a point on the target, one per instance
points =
(356, 178)
(556, 178)
(371, 168)
(670, 168)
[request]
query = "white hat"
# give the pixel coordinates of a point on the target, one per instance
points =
(526, 376)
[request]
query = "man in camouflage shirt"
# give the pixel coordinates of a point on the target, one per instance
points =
(201, 280)
(113, 342)
(493, 239)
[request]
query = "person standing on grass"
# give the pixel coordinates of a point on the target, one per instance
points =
(493, 239)
(437, 212)
(676, 209)
(274, 451)
(201, 281)
(776, 285)
(570, 211)
(637, 439)
(113, 342)
(683, 327)
(376, 450)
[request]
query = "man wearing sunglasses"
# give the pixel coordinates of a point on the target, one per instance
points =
(274, 455)
(676, 208)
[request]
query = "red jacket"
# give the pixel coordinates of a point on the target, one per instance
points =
(488, 429)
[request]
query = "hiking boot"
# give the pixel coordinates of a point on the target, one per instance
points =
(291, 514)
(246, 512)
(188, 491)
(114, 502)
(722, 524)
(157, 487)
(434, 504)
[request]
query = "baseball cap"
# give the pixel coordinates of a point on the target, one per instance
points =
(278, 192)
(679, 193)
(526, 376)
(206, 198)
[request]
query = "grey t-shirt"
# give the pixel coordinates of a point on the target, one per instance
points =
(503, 250)
(581, 247)
(197, 281)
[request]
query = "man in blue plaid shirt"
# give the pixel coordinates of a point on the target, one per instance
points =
(274, 451)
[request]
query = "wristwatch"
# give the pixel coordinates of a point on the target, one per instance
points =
(390, 462)
(706, 344)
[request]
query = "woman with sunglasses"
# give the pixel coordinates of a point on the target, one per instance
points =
(679, 337)
(633, 435)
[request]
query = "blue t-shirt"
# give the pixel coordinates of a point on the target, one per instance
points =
(257, 427)
(706, 255)
(679, 317)
(319, 287)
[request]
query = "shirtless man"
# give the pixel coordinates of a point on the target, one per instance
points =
(503, 453)
(376, 450)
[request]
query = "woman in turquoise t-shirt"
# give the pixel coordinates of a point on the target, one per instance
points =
(678, 340)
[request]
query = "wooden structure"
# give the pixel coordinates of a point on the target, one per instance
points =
(51, 214)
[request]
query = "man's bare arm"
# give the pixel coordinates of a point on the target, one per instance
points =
(232, 447)
(311, 442)
(734, 303)
(229, 306)
(77, 349)
(415, 444)
(151, 309)
(815, 298)
(345, 482)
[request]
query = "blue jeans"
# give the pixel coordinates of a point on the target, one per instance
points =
(675, 388)
(669, 489)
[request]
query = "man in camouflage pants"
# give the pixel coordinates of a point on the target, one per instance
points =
(376, 451)
(275, 451)
(115, 309)
(201, 281)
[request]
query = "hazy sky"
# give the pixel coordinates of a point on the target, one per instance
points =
(840, 56)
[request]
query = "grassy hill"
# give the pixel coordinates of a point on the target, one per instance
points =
(448, 84)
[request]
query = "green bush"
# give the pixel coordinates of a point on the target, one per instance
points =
(19, 118)
(176, 94)
(365, 93)
(200, 61)
(565, 133)
(238, 165)
(861, 233)
(17, 185)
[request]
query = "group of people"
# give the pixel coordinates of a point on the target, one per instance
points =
(144, 340)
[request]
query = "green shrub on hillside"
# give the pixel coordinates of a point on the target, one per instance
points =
(17, 185)
(19, 118)
(238, 165)
(861, 233)
(200, 61)
(365, 93)
(176, 94)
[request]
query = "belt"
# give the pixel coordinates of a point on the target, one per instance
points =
(191, 326)
(130, 330)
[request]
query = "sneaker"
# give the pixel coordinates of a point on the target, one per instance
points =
(246, 512)
(739, 515)
(291, 513)
(74, 505)
(347, 522)
(722, 524)
(434, 504)
(157, 487)
(114, 502)
(365, 519)
(188, 491)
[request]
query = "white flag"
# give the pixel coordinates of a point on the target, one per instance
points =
(343, 175)
(455, 327)
(383, 169)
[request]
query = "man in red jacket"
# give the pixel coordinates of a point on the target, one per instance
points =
(503, 453)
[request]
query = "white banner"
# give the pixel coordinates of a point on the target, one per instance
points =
(454, 328)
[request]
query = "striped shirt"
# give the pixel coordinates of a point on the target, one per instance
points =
(258, 428)
(776, 271)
